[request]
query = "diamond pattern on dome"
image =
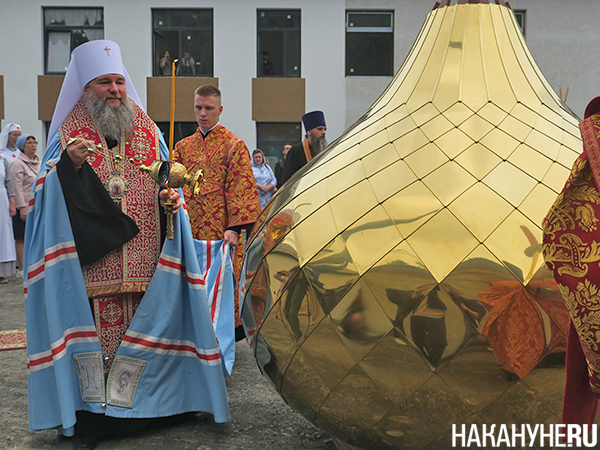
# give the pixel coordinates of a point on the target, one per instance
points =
(465, 287)
(396, 114)
(331, 273)
(382, 362)
(515, 128)
(530, 161)
(510, 182)
(478, 160)
(343, 160)
(480, 210)
(360, 321)
(518, 402)
(492, 113)
(306, 203)
(398, 128)
(308, 243)
(567, 155)
(357, 396)
(525, 114)
(300, 309)
(303, 387)
(410, 142)
(442, 235)
(468, 375)
(438, 328)
(360, 196)
(326, 355)
(453, 142)
(275, 347)
(572, 143)
(424, 114)
(536, 203)
(434, 406)
(379, 159)
(391, 180)
(340, 181)
(411, 207)
(458, 113)
(406, 308)
(476, 127)
(517, 243)
(501, 143)
(541, 141)
(552, 181)
(395, 279)
(374, 141)
(347, 140)
(436, 127)
(550, 129)
(374, 225)
(437, 182)
(427, 159)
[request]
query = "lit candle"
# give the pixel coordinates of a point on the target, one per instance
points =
(172, 124)
(172, 132)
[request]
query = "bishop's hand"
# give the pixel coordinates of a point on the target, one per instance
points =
(78, 150)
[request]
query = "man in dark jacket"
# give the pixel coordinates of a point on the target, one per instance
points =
(280, 165)
(300, 154)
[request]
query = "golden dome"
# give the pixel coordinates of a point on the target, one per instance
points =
(394, 286)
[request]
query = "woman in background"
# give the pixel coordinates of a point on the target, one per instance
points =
(264, 176)
(23, 171)
(7, 210)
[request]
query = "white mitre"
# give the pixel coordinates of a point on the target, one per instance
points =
(89, 61)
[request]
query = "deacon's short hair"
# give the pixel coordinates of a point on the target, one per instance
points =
(208, 90)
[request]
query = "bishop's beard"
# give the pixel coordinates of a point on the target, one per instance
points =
(112, 122)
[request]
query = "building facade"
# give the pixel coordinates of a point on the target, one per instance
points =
(336, 56)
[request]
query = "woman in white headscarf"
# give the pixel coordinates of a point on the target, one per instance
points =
(8, 255)
(8, 142)
(264, 176)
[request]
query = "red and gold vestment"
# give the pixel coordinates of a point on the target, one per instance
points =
(116, 282)
(228, 196)
(572, 251)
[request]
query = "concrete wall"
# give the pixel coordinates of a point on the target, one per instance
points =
(563, 37)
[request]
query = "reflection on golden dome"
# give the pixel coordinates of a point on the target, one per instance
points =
(394, 286)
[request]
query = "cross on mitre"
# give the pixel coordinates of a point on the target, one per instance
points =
(107, 48)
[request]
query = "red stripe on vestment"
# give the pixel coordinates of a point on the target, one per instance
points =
(49, 257)
(57, 350)
(178, 348)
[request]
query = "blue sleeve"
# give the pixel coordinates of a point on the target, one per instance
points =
(53, 150)
(273, 178)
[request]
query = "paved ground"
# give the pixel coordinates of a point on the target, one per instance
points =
(261, 420)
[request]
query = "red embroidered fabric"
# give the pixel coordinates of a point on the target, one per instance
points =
(228, 196)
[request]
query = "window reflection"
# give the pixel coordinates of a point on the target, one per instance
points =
(67, 28)
(187, 35)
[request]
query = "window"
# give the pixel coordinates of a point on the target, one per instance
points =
(520, 15)
(180, 130)
(369, 43)
(187, 34)
(271, 136)
(278, 42)
(65, 29)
